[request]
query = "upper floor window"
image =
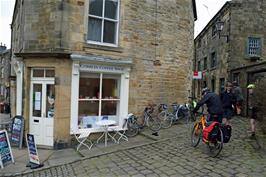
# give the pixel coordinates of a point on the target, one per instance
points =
(205, 64)
(103, 22)
(213, 59)
(199, 66)
(254, 46)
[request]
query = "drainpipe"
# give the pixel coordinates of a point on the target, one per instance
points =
(18, 67)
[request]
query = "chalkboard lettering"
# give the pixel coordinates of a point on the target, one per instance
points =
(32, 149)
(5, 149)
(17, 131)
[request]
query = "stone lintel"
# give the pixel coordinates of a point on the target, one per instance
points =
(100, 59)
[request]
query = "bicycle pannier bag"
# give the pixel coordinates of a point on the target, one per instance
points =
(211, 132)
(227, 129)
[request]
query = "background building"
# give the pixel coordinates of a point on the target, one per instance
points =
(77, 61)
(230, 47)
(4, 79)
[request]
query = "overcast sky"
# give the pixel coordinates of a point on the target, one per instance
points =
(206, 9)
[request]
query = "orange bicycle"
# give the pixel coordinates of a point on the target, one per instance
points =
(215, 144)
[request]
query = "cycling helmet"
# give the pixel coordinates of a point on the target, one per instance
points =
(204, 90)
(251, 86)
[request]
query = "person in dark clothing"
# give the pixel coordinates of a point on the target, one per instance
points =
(228, 100)
(239, 97)
(213, 102)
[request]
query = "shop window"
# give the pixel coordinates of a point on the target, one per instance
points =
(99, 96)
(103, 22)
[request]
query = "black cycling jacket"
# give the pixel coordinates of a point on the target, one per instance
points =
(213, 102)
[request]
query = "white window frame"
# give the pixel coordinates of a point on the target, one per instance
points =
(124, 95)
(102, 18)
(100, 99)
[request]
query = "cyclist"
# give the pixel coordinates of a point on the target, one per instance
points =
(213, 102)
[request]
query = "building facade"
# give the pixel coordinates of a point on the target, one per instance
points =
(78, 61)
(4, 79)
(230, 47)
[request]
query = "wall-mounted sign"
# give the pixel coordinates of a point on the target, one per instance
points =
(17, 131)
(197, 75)
(6, 155)
(102, 68)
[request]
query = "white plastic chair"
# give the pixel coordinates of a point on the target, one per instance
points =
(83, 139)
(120, 130)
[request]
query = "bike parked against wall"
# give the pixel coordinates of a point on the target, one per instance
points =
(179, 111)
(152, 122)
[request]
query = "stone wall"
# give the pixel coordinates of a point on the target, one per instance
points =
(62, 92)
(248, 20)
(157, 35)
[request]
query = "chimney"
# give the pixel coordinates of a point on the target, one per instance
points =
(2, 47)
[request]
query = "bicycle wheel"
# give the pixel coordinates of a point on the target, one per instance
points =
(196, 134)
(217, 146)
(132, 128)
(153, 124)
(166, 120)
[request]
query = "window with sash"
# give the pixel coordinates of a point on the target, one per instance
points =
(103, 21)
(254, 46)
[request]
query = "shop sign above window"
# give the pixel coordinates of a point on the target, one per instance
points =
(102, 68)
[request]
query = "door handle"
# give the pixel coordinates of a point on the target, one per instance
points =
(37, 121)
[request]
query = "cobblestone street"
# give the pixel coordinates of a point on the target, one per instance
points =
(173, 157)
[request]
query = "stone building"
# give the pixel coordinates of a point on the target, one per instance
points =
(4, 79)
(230, 47)
(77, 61)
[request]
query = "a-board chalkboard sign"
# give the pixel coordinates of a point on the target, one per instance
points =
(32, 150)
(17, 131)
(6, 155)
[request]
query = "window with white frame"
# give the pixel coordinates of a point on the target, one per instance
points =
(254, 46)
(103, 19)
(99, 96)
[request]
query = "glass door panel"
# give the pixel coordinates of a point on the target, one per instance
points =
(50, 99)
(37, 100)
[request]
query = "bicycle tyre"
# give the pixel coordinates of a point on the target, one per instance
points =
(196, 134)
(153, 124)
(216, 148)
(166, 120)
(132, 129)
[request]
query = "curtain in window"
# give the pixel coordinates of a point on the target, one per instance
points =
(95, 26)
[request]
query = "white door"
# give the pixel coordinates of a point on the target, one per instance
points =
(42, 112)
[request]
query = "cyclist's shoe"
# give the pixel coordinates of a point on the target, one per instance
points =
(155, 134)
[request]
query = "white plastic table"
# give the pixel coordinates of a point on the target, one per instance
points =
(105, 124)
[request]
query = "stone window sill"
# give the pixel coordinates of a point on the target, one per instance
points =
(100, 47)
